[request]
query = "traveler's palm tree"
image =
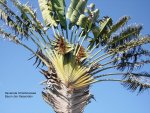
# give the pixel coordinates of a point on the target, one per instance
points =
(81, 50)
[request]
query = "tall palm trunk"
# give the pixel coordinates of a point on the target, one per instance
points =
(67, 100)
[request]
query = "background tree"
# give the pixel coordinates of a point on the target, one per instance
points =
(71, 67)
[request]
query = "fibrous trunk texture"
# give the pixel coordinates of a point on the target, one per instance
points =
(67, 100)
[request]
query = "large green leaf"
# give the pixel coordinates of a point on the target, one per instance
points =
(100, 32)
(119, 24)
(71, 8)
(78, 11)
(59, 9)
(106, 22)
(82, 21)
(47, 13)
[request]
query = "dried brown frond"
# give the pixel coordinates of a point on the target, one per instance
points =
(81, 55)
(61, 46)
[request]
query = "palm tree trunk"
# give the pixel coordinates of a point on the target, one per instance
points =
(67, 100)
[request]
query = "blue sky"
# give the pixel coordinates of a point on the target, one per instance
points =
(18, 74)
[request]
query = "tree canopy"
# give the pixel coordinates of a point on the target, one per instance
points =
(79, 31)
